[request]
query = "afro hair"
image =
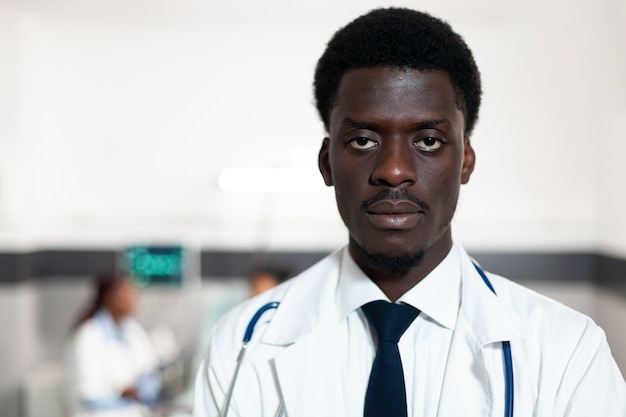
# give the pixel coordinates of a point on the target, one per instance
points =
(404, 38)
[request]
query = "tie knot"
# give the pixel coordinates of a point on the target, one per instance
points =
(389, 320)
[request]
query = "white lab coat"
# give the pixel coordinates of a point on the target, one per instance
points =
(562, 363)
(100, 367)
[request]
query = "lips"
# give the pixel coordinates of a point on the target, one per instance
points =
(390, 207)
(394, 214)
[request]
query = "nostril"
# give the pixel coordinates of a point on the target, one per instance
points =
(393, 174)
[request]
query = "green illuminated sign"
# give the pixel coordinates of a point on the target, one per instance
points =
(154, 264)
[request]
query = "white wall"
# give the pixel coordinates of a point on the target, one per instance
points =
(20, 342)
(611, 126)
(117, 117)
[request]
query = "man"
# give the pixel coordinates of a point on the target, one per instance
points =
(399, 92)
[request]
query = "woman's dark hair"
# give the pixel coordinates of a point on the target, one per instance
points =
(104, 285)
(404, 38)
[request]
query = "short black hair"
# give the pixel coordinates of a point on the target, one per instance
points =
(404, 38)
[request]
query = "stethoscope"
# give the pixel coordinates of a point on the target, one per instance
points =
(506, 356)
(246, 339)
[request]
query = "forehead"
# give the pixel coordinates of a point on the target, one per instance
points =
(395, 93)
(124, 285)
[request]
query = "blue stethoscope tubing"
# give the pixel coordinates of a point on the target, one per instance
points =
(506, 354)
(246, 339)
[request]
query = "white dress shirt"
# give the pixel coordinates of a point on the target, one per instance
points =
(424, 345)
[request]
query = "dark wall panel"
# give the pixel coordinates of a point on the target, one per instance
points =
(605, 271)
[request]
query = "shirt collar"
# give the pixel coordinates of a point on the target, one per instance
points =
(111, 330)
(438, 295)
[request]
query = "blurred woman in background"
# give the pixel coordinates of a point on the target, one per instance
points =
(265, 279)
(113, 365)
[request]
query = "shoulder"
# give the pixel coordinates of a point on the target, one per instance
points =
(87, 330)
(539, 311)
(534, 313)
(556, 334)
(542, 328)
(86, 339)
(565, 350)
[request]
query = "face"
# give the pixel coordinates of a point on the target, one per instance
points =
(262, 282)
(122, 299)
(396, 155)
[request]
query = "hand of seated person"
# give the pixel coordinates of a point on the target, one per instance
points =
(130, 393)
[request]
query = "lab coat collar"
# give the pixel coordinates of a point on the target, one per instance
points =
(354, 288)
(438, 295)
(297, 314)
(487, 315)
(111, 330)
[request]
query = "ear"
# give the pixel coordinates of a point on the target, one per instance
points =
(323, 162)
(469, 159)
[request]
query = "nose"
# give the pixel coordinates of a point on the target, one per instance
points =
(395, 165)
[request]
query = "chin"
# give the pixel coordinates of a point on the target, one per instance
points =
(393, 262)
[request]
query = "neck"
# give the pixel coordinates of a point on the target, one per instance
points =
(396, 282)
(117, 317)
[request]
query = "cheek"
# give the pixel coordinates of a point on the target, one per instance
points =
(442, 183)
(347, 175)
(352, 171)
(348, 195)
(349, 185)
(129, 301)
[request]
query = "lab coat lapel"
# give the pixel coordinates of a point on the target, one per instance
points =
(308, 368)
(474, 378)
(309, 375)
(467, 386)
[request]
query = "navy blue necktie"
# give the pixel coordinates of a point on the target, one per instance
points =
(386, 395)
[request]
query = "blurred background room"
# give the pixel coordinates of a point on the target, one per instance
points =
(177, 140)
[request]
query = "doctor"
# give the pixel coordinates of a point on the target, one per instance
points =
(112, 364)
(398, 92)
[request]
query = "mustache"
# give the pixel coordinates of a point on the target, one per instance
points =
(395, 194)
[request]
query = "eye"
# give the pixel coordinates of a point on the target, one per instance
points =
(428, 144)
(362, 143)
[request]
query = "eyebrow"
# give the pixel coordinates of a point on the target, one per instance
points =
(429, 124)
(361, 124)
